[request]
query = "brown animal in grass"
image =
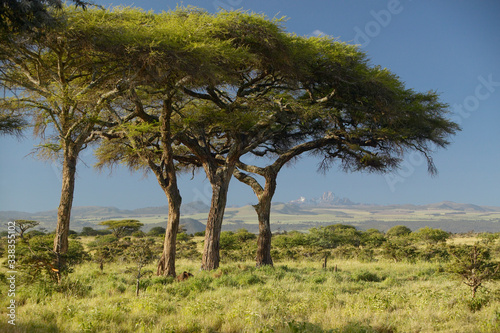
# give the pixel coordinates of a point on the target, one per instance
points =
(184, 276)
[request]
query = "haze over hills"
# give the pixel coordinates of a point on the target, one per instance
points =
(301, 214)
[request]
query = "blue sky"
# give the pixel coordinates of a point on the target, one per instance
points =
(451, 46)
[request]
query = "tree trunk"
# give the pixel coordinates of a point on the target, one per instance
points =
(167, 178)
(66, 202)
(138, 282)
(166, 265)
(263, 209)
(220, 186)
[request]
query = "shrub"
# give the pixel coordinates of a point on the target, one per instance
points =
(138, 234)
(365, 276)
(334, 235)
(398, 231)
(372, 238)
(474, 265)
(182, 237)
(431, 236)
(37, 260)
(156, 231)
(399, 248)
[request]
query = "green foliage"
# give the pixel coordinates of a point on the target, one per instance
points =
(489, 238)
(37, 261)
(120, 228)
(474, 264)
(89, 231)
(156, 231)
(33, 233)
(372, 238)
(23, 225)
(140, 252)
(182, 237)
(398, 231)
(187, 249)
(107, 248)
(399, 248)
(365, 276)
(138, 234)
(11, 124)
(334, 235)
(430, 235)
(239, 245)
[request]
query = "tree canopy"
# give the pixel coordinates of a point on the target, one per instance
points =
(182, 89)
(120, 228)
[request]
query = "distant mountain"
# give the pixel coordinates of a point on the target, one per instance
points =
(195, 207)
(162, 210)
(459, 207)
(326, 200)
(290, 209)
(301, 214)
(191, 225)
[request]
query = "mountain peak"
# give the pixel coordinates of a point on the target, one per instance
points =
(326, 199)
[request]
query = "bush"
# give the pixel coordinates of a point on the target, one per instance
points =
(138, 234)
(474, 265)
(398, 231)
(399, 249)
(372, 238)
(88, 231)
(37, 261)
(157, 231)
(434, 253)
(334, 235)
(182, 237)
(365, 276)
(431, 236)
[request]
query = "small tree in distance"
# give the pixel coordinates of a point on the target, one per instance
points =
(141, 254)
(23, 225)
(121, 228)
(473, 263)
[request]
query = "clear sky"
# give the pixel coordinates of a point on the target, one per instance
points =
(451, 46)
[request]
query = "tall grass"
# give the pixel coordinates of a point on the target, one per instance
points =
(291, 297)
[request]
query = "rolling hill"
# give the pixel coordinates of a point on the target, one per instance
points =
(295, 215)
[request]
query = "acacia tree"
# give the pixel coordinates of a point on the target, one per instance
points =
(235, 116)
(473, 263)
(11, 124)
(348, 111)
(63, 86)
(148, 120)
(23, 225)
(120, 228)
(28, 15)
(207, 114)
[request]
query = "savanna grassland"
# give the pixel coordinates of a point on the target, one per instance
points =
(365, 288)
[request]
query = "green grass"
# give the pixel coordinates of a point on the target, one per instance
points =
(291, 297)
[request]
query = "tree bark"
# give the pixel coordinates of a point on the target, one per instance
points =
(66, 202)
(167, 178)
(166, 265)
(263, 209)
(220, 185)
